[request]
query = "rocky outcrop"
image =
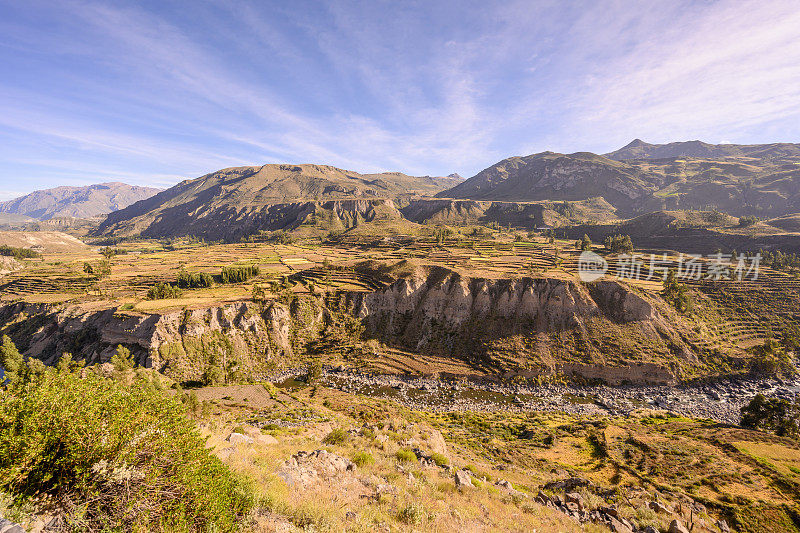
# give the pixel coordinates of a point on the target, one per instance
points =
(181, 344)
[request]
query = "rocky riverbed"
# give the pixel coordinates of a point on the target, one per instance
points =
(720, 401)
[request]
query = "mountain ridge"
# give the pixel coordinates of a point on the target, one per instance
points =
(77, 202)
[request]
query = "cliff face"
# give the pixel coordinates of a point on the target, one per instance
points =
(528, 326)
(181, 344)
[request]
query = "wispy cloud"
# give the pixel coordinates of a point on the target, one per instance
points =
(150, 95)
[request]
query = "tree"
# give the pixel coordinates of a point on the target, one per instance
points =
(12, 361)
(584, 244)
(677, 294)
(619, 244)
(775, 415)
(122, 359)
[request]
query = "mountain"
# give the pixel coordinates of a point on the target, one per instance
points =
(76, 202)
(761, 180)
(234, 202)
(638, 149)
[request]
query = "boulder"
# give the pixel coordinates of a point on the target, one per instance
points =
(266, 440)
(239, 438)
(723, 526)
(6, 526)
(574, 497)
(617, 526)
(659, 507)
(463, 479)
(676, 526)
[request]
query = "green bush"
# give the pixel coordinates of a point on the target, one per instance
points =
(18, 253)
(163, 291)
(124, 454)
(406, 456)
(337, 436)
(362, 459)
(440, 459)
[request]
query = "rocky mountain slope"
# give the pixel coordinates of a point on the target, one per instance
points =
(243, 200)
(77, 202)
(763, 180)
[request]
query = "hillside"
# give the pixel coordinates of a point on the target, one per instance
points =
(763, 180)
(638, 149)
(77, 202)
(243, 200)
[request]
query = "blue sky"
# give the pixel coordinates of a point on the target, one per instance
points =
(154, 92)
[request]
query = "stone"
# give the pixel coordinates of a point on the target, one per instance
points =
(723, 526)
(6, 526)
(463, 479)
(610, 511)
(659, 507)
(266, 440)
(239, 438)
(436, 442)
(618, 527)
(676, 526)
(574, 497)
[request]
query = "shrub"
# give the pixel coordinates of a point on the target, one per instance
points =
(18, 253)
(163, 291)
(362, 459)
(337, 436)
(406, 456)
(125, 455)
(412, 514)
(440, 459)
(746, 221)
(776, 415)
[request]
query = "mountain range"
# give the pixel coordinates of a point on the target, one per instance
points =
(761, 180)
(76, 202)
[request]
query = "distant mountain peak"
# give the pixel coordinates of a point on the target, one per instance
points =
(455, 175)
(77, 202)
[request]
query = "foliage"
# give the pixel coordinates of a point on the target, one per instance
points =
(122, 359)
(775, 415)
(362, 459)
(440, 460)
(238, 274)
(194, 280)
(619, 244)
(746, 221)
(100, 269)
(12, 361)
(163, 291)
(125, 456)
(406, 456)
(677, 294)
(584, 244)
(336, 436)
(18, 253)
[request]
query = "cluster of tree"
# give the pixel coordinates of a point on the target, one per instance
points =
(715, 217)
(194, 280)
(779, 260)
(238, 274)
(441, 233)
(584, 244)
(677, 294)
(109, 252)
(619, 244)
(99, 269)
(164, 291)
(747, 220)
(776, 415)
(18, 253)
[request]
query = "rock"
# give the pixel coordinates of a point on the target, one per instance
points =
(224, 453)
(307, 468)
(266, 440)
(659, 507)
(6, 526)
(610, 511)
(650, 529)
(463, 479)
(436, 442)
(723, 526)
(676, 526)
(251, 432)
(618, 527)
(574, 497)
(239, 438)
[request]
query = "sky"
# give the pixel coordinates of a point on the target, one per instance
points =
(151, 93)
